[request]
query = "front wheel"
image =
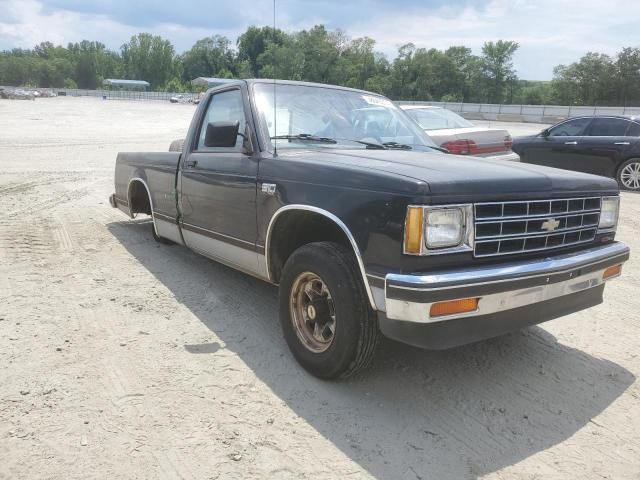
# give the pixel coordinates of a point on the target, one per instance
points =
(629, 175)
(324, 311)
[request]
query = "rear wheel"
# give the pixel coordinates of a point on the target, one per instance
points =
(324, 311)
(629, 175)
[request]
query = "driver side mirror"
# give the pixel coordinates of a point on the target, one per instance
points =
(222, 134)
(545, 132)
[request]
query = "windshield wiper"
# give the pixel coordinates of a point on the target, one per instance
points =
(382, 146)
(397, 146)
(307, 137)
(372, 145)
(440, 149)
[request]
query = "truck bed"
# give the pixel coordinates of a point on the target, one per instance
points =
(157, 171)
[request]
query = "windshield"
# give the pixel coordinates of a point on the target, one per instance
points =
(333, 118)
(437, 118)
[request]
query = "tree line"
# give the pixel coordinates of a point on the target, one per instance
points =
(319, 55)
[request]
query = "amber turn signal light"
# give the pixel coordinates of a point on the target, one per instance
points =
(452, 307)
(612, 272)
(413, 230)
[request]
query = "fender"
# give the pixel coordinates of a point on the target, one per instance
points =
(335, 220)
(133, 215)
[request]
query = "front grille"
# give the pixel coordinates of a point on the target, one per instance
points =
(505, 228)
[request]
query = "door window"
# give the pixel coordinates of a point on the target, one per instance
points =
(571, 128)
(224, 107)
(608, 127)
(634, 130)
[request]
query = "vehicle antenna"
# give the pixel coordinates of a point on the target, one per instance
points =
(275, 114)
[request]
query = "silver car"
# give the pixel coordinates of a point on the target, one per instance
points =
(461, 137)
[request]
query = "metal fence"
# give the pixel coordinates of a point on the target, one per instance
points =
(110, 94)
(526, 113)
(123, 94)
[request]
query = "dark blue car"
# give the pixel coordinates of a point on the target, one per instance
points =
(603, 145)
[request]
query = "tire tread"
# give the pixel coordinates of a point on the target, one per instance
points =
(369, 332)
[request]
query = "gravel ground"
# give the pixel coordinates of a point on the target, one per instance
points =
(124, 358)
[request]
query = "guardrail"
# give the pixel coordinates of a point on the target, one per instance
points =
(525, 113)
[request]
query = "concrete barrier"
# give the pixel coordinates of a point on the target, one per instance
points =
(509, 117)
(552, 119)
(472, 115)
(525, 113)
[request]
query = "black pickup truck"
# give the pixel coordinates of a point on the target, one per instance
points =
(339, 198)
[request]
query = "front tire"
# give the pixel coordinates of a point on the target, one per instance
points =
(628, 175)
(326, 319)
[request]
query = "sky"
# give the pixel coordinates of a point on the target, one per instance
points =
(550, 32)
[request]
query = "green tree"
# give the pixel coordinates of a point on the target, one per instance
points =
(402, 81)
(497, 67)
(93, 63)
(284, 61)
(590, 81)
(320, 52)
(148, 57)
(207, 58)
(252, 44)
(357, 62)
(627, 66)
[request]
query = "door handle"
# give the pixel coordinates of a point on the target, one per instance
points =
(622, 143)
(191, 164)
(570, 143)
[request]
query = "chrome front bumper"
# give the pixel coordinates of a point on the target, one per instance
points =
(501, 287)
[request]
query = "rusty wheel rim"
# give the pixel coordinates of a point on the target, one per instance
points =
(312, 312)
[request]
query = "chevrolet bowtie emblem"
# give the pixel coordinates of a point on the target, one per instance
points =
(550, 225)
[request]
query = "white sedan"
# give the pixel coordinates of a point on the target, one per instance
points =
(461, 137)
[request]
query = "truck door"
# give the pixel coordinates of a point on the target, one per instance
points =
(218, 189)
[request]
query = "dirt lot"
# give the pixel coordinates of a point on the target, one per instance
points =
(123, 358)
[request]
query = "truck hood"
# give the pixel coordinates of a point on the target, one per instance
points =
(471, 178)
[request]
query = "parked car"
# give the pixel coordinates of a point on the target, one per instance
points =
(366, 228)
(17, 94)
(602, 145)
(459, 136)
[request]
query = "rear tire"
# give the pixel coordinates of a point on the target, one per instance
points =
(628, 175)
(324, 311)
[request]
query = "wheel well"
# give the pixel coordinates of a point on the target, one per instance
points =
(623, 162)
(296, 228)
(139, 201)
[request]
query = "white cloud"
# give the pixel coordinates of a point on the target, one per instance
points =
(29, 25)
(549, 31)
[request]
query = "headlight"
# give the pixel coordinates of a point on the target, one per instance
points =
(444, 227)
(434, 230)
(609, 213)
